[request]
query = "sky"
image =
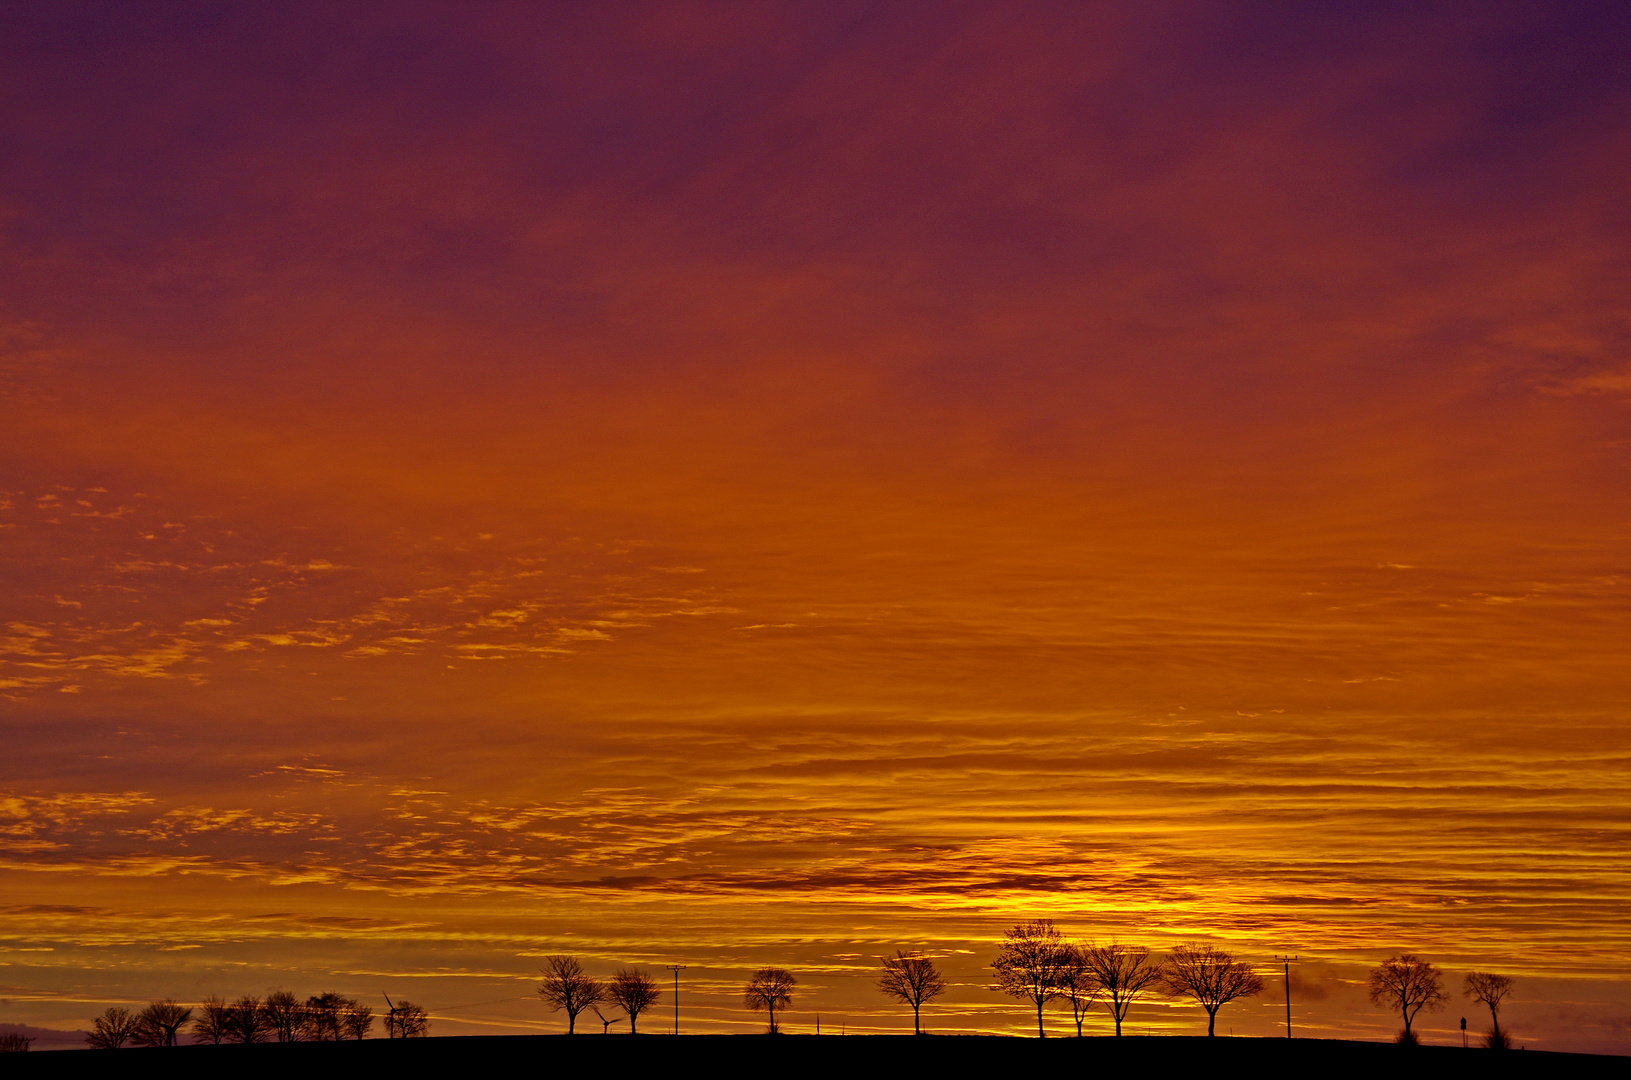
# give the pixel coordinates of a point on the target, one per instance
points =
(731, 484)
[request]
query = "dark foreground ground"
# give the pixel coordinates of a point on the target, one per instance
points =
(840, 1057)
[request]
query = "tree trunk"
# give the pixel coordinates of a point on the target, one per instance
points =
(917, 1024)
(571, 1021)
(632, 1017)
(1041, 1032)
(1118, 1021)
(1211, 1022)
(773, 1018)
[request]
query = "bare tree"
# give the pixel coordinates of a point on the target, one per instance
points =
(1409, 984)
(1030, 962)
(769, 989)
(214, 1020)
(14, 1042)
(1211, 976)
(159, 1023)
(321, 1017)
(284, 1016)
(633, 991)
(1124, 972)
(356, 1020)
(405, 1020)
(1491, 990)
(567, 986)
(112, 1029)
(911, 979)
(246, 1022)
(1078, 985)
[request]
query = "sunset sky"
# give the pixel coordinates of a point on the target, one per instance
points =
(747, 483)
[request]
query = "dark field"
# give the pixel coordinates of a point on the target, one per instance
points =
(808, 1055)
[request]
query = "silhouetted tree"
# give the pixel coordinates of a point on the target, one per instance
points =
(320, 1019)
(1029, 963)
(214, 1020)
(14, 1042)
(246, 1020)
(1078, 985)
(356, 1020)
(112, 1029)
(284, 1016)
(911, 979)
(1409, 984)
(567, 986)
(1491, 990)
(770, 988)
(633, 991)
(158, 1024)
(405, 1020)
(1211, 976)
(1124, 972)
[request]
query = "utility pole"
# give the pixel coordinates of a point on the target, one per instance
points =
(1287, 961)
(676, 969)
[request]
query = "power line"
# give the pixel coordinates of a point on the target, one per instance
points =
(479, 1004)
(676, 969)
(1287, 961)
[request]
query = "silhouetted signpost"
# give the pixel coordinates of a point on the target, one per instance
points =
(676, 969)
(1463, 1033)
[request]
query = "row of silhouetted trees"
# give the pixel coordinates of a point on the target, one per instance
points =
(1035, 963)
(279, 1017)
(1408, 984)
(568, 988)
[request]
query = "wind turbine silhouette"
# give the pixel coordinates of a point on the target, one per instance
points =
(605, 1024)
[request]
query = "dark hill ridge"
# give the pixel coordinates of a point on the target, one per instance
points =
(843, 1057)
